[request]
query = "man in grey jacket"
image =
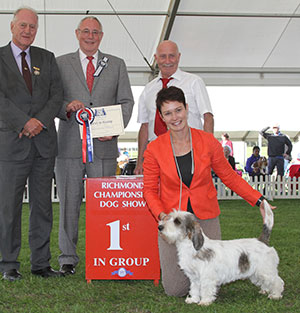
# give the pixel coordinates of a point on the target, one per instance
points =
(110, 86)
(30, 96)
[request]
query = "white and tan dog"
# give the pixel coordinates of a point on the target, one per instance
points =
(210, 263)
(260, 166)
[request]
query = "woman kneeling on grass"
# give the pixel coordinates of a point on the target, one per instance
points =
(177, 174)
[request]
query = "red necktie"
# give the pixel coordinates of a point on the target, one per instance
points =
(159, 125)
(90, 70)
(26, 72)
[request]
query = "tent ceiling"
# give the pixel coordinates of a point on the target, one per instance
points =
(227, 42)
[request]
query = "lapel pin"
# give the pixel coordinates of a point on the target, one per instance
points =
(36, 70)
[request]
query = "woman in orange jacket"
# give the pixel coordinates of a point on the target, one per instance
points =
(177, 175)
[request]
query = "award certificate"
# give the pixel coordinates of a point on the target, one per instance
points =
(108, 121)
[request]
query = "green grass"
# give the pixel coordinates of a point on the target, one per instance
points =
(73, 294)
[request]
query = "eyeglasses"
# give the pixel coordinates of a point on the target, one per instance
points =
(87, 32)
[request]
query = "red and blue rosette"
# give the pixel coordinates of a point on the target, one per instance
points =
(85, 117)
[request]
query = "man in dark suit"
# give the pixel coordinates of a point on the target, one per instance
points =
(109, 86)
(30, 97)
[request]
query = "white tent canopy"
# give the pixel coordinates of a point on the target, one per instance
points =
(227, 42)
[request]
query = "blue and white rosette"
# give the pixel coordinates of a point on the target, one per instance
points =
(85, 117)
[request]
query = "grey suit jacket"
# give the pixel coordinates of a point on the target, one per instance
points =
(110, 87)
(17, 105)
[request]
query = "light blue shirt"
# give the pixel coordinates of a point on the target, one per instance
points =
(17, 54)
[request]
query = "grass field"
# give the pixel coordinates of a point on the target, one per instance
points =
(73, 294)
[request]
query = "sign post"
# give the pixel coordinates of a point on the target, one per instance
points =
(121, 233)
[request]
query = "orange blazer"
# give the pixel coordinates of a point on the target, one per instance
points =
(162, 183)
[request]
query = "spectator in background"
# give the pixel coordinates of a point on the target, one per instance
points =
(126, 152)
(277, 143)
(226, 142)
(294, 168)
(296, 149)
(287, 159)
(229, 157)
(253, 171)
(297, 161)
(122, 160)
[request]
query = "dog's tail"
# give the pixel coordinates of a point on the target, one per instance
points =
(268, 224)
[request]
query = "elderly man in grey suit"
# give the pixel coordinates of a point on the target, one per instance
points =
(110, 86)
(31, 95)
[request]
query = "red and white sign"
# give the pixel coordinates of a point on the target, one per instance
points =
(121, 233)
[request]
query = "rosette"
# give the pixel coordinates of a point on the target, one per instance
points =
(85, 117)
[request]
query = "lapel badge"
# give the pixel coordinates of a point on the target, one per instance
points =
(36, 71)
(101, 65)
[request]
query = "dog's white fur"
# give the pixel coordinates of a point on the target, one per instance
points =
(211, 263)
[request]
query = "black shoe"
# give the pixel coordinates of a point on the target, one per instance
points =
(47, 272)
(12, 275)
(68, 269)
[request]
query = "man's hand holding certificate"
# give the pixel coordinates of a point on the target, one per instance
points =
(101, 122)
(108, 121)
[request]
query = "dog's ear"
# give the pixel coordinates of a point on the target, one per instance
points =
(177, 221)
(197, 237)
(194, 232)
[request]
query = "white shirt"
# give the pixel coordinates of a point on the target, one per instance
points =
(195, 94)
(84, 61)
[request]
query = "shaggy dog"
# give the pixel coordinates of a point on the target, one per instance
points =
(210, 263)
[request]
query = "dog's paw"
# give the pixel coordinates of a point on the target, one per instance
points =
(275, 297)
(190, 300)
(263, 292)
(205, 302)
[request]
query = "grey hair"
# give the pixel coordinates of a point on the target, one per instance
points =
(91, 18)
(25, 8)
(226, 147)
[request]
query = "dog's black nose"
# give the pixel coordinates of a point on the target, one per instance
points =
(160, 227)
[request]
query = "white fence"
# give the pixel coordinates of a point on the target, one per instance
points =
(270, 187)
